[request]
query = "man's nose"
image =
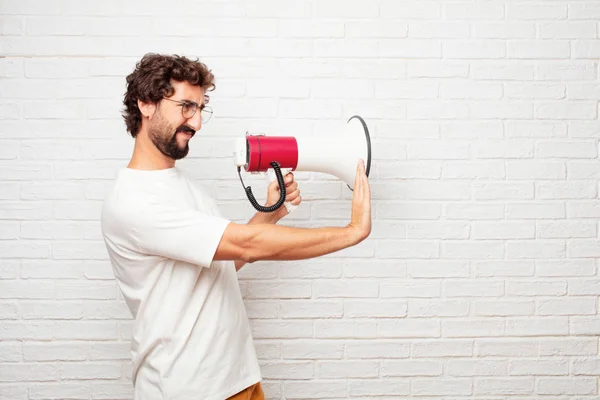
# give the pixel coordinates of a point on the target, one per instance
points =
(196, 121)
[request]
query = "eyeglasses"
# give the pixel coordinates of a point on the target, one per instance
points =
(189, 108)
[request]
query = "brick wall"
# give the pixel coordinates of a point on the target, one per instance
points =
(480, 279)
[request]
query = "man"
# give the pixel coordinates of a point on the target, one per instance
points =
(175, 257)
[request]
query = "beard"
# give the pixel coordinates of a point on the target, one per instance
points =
(164, 137)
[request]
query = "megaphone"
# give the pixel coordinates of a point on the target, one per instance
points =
(334, 155)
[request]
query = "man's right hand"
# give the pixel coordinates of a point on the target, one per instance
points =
(361, 204)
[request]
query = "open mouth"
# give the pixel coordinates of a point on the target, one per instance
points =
(186, 131)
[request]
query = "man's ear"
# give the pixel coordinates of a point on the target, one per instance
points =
(147, 109)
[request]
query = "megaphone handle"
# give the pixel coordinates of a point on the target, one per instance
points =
(271, 177)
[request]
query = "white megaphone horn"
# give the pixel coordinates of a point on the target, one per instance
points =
(334, 155)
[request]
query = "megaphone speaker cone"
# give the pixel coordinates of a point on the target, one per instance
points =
(337, 155)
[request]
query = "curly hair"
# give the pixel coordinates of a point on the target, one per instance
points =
(151, 81)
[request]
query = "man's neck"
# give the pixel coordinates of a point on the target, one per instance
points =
(147, 156)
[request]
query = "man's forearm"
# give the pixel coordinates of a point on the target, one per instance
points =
(270, 242)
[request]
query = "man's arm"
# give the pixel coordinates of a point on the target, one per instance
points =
(255, 242)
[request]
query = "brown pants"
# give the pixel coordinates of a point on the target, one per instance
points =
(253, 392)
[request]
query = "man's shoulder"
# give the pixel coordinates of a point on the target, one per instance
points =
(125, 200)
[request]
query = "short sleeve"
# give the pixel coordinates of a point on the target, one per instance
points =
(178, 233)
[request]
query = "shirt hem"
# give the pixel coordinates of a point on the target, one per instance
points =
(223, 395)
(241, 386)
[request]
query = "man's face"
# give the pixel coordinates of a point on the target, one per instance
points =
(169, 129)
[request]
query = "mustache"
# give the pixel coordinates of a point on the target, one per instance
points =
(186, 129)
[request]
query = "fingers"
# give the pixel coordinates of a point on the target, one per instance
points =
(365, 181)
(358, 186)
(292, 195)
(358, 174)
(296, 201)
(288, 179)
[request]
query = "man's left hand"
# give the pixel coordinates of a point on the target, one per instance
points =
(292, 194)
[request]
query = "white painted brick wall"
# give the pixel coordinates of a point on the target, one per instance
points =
(481, 277)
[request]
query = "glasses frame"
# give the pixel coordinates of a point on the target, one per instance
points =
(204, 111)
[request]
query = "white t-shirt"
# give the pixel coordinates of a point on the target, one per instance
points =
(191, 335)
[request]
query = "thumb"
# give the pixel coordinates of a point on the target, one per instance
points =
(273, 186)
